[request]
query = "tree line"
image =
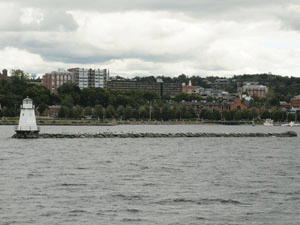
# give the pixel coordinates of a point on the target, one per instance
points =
(134, 104)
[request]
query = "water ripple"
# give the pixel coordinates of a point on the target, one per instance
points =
(150, 181)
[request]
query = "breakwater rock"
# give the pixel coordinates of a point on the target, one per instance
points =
(166, 135)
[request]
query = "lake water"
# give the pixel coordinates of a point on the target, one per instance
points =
(150, 180)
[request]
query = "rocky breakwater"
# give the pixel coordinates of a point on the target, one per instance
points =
(166, 135)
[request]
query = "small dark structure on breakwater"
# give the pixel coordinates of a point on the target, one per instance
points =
(166, 135)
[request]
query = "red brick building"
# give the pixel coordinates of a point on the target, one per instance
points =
(237, 104)
(55, 79)
(188, 88)
(51, 111)
(295, 102)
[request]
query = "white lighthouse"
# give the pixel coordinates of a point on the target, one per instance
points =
(27, 127)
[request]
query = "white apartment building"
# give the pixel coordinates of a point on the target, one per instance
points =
(85, 78)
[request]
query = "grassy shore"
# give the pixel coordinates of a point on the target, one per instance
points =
(94, 122)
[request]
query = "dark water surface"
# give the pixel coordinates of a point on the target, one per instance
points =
(150, 181)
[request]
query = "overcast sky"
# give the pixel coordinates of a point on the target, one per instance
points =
(152, 37)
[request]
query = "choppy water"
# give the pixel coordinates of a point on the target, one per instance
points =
(150, 181)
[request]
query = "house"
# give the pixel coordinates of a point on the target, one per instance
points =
(284, 105)
(233, 104)
(50, 111)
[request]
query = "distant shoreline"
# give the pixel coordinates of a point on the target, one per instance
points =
(84, 122)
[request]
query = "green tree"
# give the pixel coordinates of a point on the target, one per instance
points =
(19, 74)
(165, 112)
(191, 113)
(38, 93)
(70, 89)
(99, 111)
(291, 116)
(149, 95)
(5, 111)
(110, 112)
(182, 96)
(94, 96)
(237, 114)
(156, 112)
(227, 115)
(120, 112)
(68, 101)
(206, 114)
(135, 114)
(64, 112)
(252, 114)
(178, 113)
(77, 111)
(128, 112)
(217, 114)
(265, 114)
(88, 111)
(276, 114)
(143, 112)
(42, 107)
(209, 115)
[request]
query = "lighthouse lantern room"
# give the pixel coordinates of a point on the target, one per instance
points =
(27, 127)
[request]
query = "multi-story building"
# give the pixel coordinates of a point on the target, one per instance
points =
(295, 102)
(55, 79)
(254, 89)
(205, 92)
(159, 87)
(85, 78)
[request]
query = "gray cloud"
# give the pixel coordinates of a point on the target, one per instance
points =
(51, 21)
(200, 6)
(58, 20)
(227, 34)
(290, 18)
(235, 10)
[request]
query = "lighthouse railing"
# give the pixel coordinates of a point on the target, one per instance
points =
(27, 107)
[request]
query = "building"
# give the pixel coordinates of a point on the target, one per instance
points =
(295, 102)
(3, 75)
(50, 111)
(254, 89)
(284, 105)
(189, 88)
(55, 79)
(221, 106)
(235, 104)
(83, 78)
(159, 87)
(222, 82)
(27, 123)
(86, 78)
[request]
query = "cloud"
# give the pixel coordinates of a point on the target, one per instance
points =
(290, 17)
(16, 19)
(12, 58)
(211, 6)
(136, 37)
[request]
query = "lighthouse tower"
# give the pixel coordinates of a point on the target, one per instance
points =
(27, 127)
